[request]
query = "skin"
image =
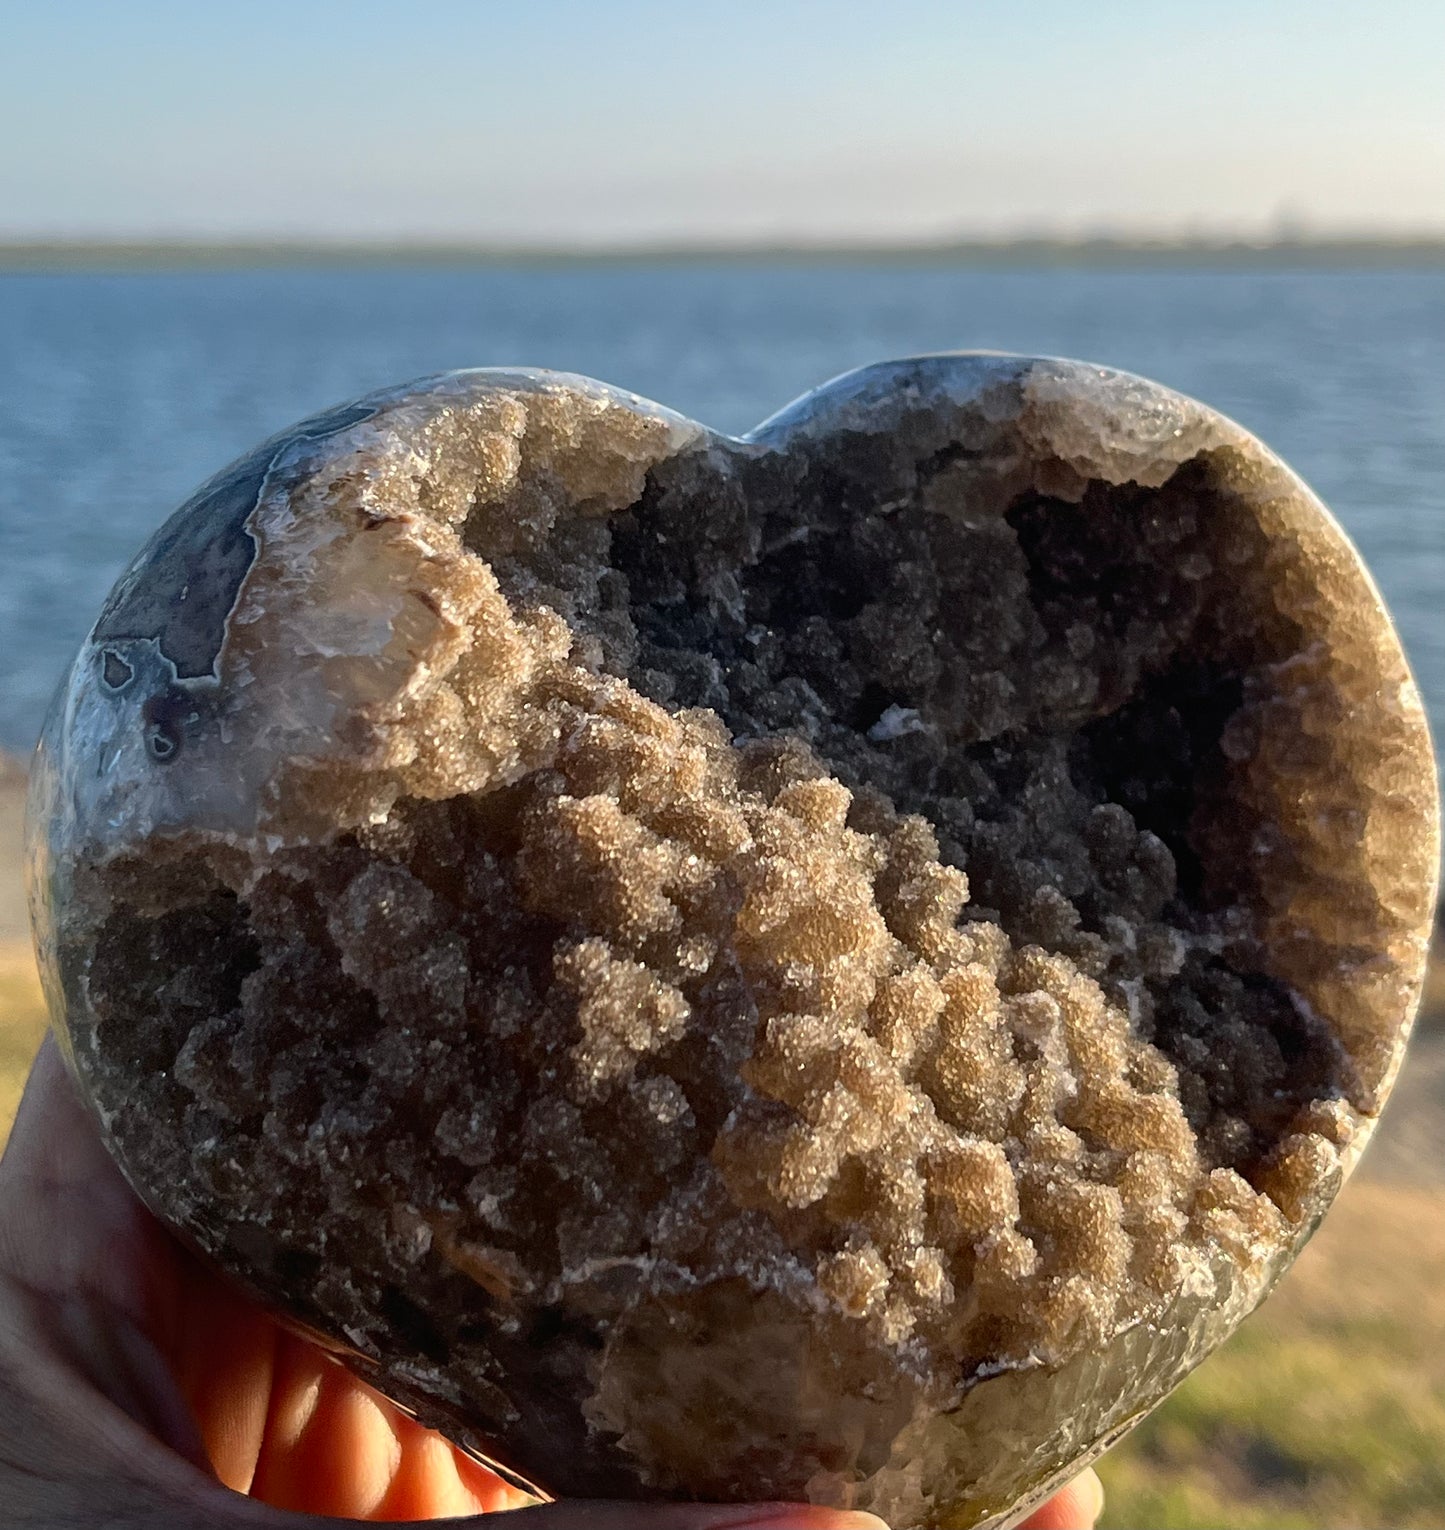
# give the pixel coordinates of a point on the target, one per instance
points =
(139, 1392)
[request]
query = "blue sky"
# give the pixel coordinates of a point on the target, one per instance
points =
(620, 120)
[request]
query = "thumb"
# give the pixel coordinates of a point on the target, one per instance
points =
(246, 1514)
(633, 1516)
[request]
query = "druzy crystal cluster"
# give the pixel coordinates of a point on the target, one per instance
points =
(835, 964)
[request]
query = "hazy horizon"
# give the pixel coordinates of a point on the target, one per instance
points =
(810, 122)
(1026, 247)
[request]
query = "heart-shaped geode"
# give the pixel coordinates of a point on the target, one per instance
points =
(832, 965)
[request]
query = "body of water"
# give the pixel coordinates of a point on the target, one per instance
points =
(119, 393)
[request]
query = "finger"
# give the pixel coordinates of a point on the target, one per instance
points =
(324, 1452)
(435, 1481)
(1076, 1507)
(334, 1446)
(223, 1356)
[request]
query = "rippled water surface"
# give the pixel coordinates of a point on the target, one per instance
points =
(118, 394)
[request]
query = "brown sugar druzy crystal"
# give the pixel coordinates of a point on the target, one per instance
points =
(833, 965)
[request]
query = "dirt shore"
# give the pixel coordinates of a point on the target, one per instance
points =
(14, 925)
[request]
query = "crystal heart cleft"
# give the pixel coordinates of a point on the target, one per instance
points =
(833, 965)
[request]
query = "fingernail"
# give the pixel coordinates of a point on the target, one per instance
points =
(1094, 1492)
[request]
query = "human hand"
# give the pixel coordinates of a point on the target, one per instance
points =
(138, 1390)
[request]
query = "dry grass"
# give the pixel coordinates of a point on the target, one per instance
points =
(1327, 1409)
(1432, 1003)
(22, 1024)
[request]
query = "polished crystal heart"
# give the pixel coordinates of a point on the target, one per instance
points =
(835, 964)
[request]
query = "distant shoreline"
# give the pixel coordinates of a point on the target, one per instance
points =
(42, 256)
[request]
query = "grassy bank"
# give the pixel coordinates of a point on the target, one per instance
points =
(1327, 1409)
